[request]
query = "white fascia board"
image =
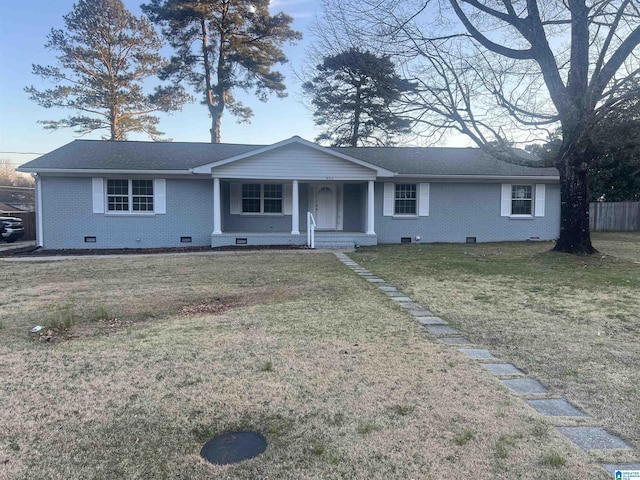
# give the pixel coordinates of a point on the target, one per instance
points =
(103, 171)
(381, 172)
(536, 178)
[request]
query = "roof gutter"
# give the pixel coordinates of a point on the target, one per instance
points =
(481, 177)
(104, 171)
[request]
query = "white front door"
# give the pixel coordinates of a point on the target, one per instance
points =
(326, 207)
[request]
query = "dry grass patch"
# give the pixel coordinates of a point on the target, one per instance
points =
(341, 382)
(573, 322)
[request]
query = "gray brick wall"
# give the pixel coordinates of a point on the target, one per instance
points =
(457, 211)
(262, 223)
(68, 217)
(460, 210)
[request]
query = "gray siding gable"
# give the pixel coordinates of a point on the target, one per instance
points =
(294, 161)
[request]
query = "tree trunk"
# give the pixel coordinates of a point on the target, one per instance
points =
(113, 120)
(356, 118)
(213, 95)
(216, 121)
(574, 208)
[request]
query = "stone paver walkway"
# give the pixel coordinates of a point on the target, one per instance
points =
(536, 395)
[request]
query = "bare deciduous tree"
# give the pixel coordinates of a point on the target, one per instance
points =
(501, 71)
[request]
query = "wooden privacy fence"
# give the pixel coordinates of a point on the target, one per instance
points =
(28, 221)
(614, 216)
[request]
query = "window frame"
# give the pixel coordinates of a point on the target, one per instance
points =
(513, 199)
(130, 196)
(262, 198)
(405, 199)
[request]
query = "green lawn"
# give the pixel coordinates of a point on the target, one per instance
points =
(148, 357)
(572, 322)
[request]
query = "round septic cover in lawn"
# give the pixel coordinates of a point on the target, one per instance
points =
(233, 447)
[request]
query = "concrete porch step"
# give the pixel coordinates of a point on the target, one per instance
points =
(334, 240)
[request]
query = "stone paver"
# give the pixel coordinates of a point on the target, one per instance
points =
(593, 438)
(477, 353)
(388, 288)
(421, 313)
(431, 320)
(375, 280)
(394, 294)
(403, 298)
(442, 330)
(455, 341)
(502, 369)
(411, 305)
(556, 407)
(524, 386)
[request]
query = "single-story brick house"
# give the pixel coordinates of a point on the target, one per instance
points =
(100, 194)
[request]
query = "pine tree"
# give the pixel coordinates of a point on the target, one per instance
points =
(353, 95)
(223, 45)
(105, 53)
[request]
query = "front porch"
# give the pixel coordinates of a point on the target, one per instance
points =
(266, 195)
(272, 212)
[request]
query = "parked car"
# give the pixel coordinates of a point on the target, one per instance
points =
(11, 229)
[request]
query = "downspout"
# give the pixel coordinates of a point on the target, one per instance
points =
(39, 236)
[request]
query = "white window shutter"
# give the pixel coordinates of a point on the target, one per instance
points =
(505, 200)
(235, 203)
(287, 201)
(423, 206)
(540, 199)
(160, 195)
(389, 198)
(97, 185)
(340, 215)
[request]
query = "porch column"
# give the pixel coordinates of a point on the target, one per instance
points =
(217, 210)
(295, 206)
(370, 211)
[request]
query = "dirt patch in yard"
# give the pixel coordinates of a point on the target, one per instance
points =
(67, 325)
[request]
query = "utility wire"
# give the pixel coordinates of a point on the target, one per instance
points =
(25, 153)
(7, 187)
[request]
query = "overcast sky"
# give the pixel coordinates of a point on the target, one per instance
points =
(24, 26)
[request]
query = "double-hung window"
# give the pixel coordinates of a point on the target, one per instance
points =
(261, 198)
(129, 195)
(406, 199)
(521, 199)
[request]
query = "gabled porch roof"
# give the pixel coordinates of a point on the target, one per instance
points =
(294, 158)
